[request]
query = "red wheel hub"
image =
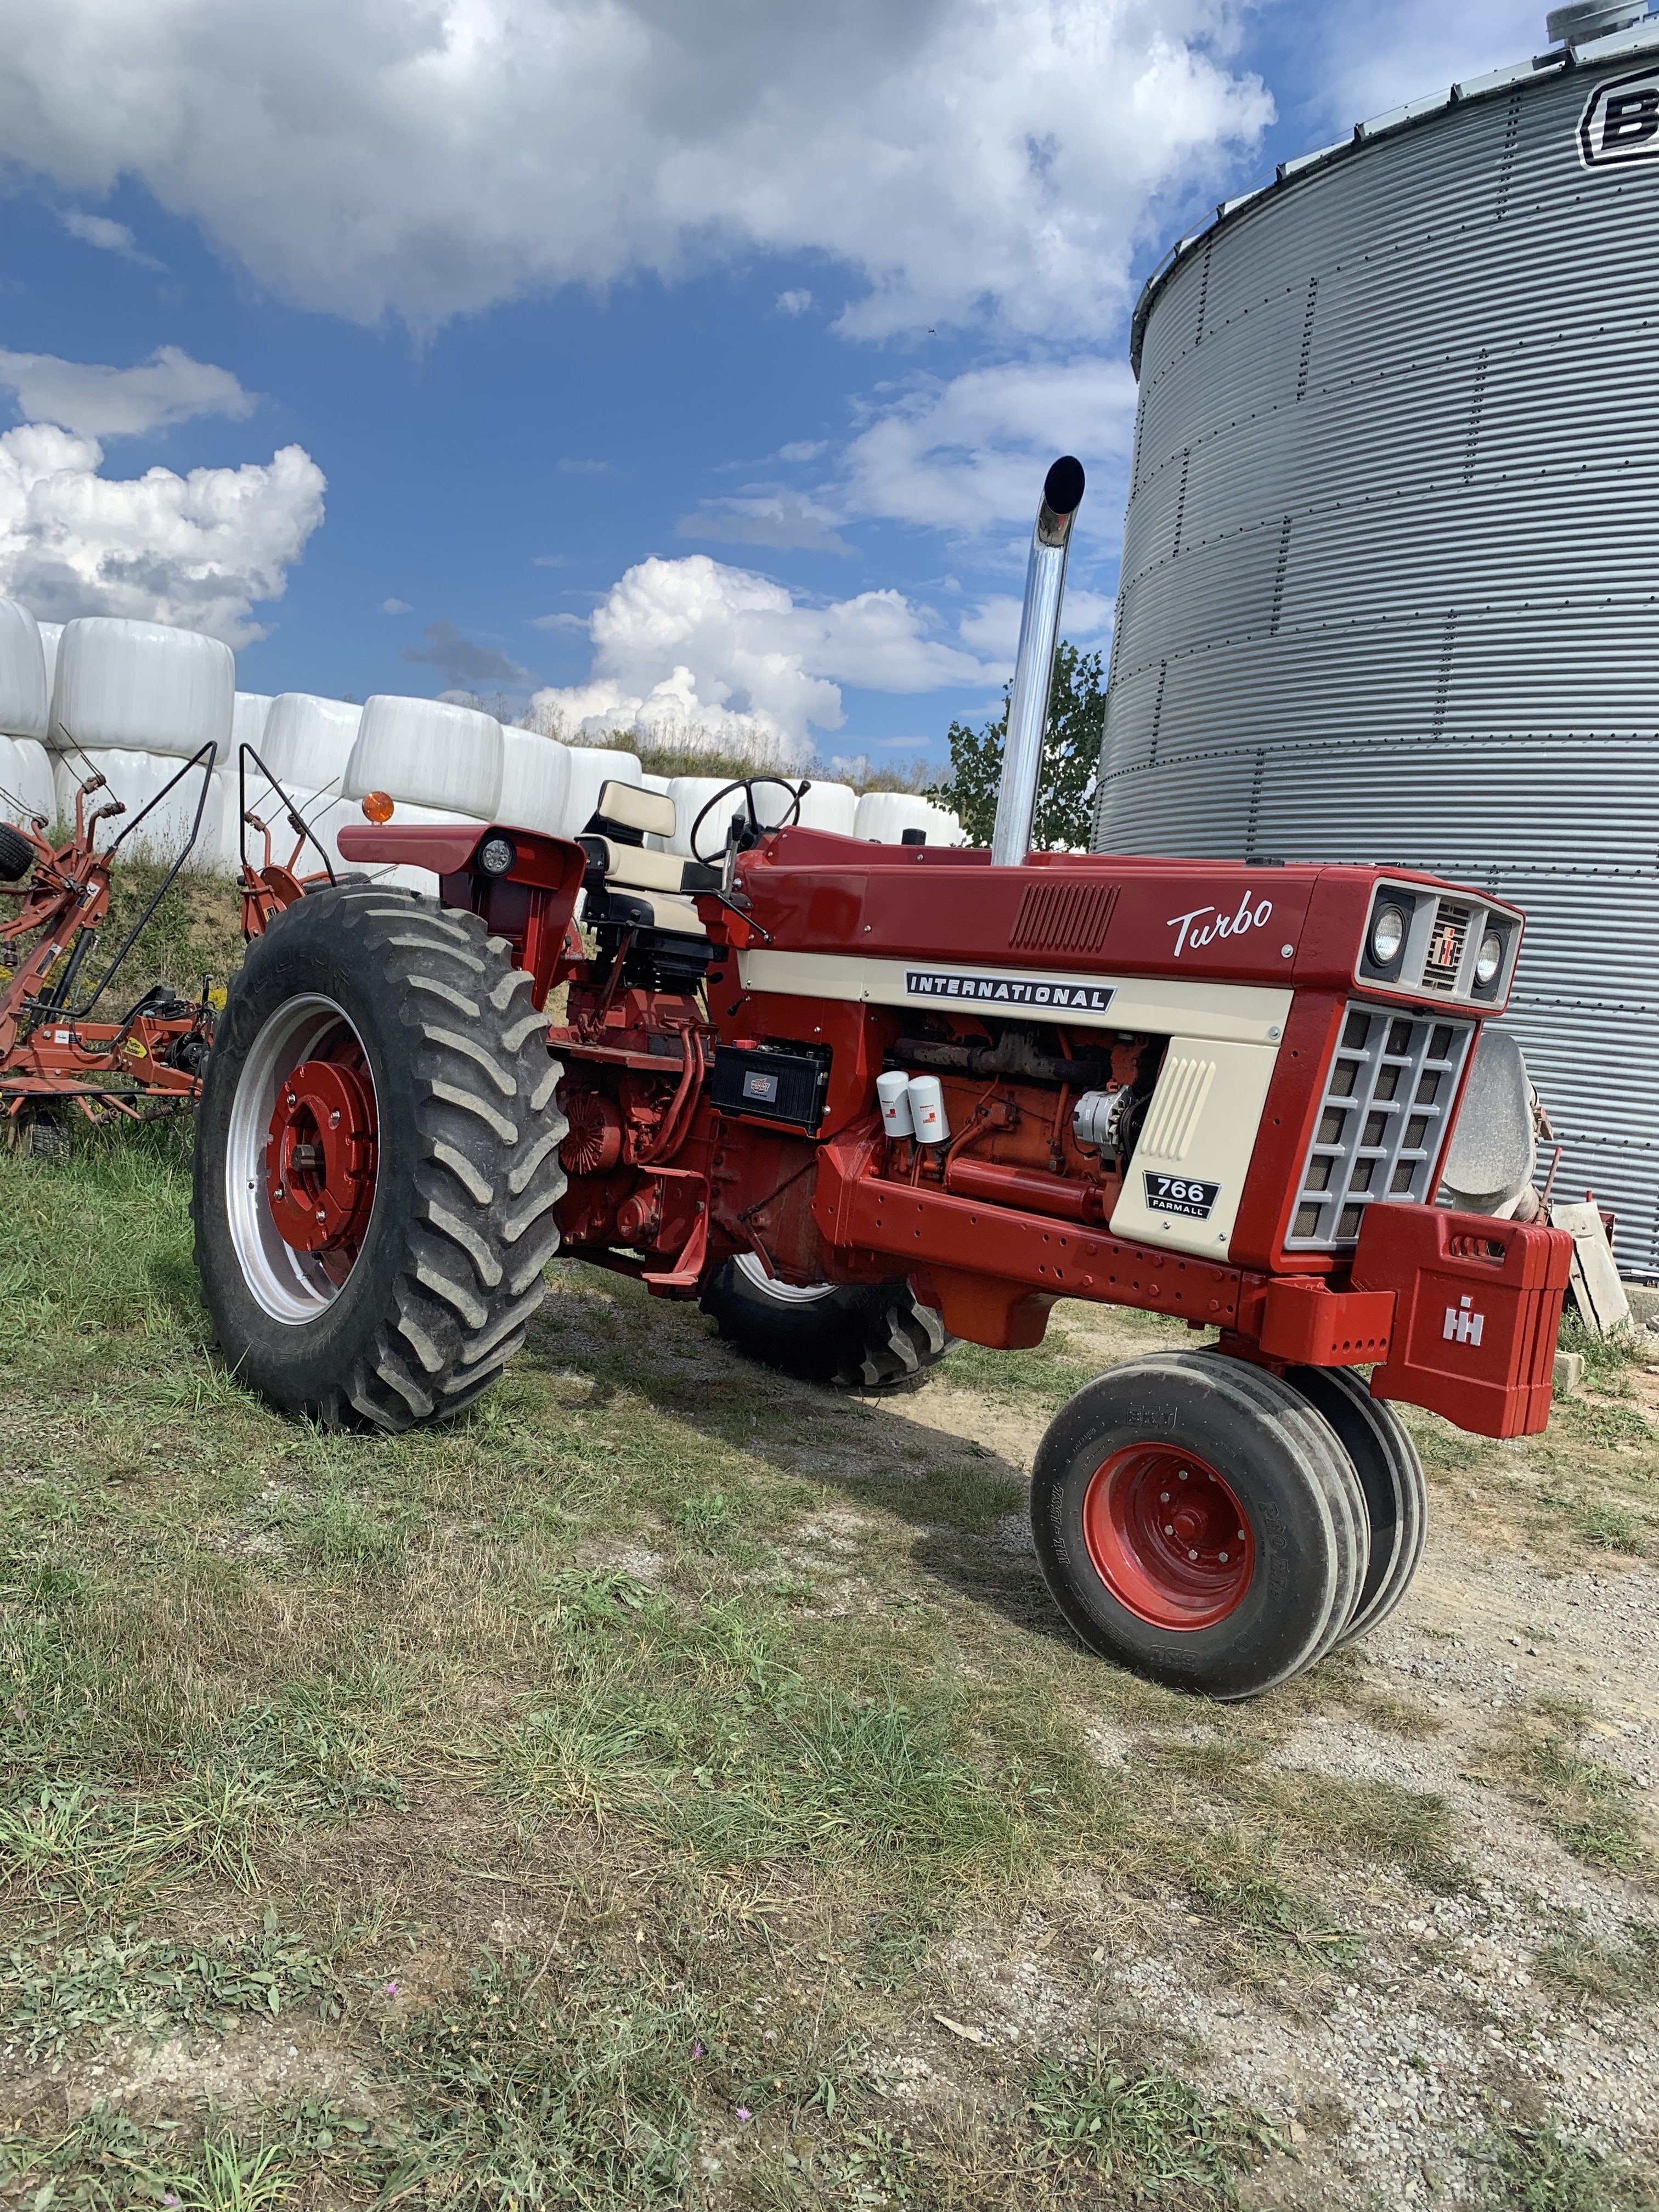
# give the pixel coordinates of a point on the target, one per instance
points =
(320, 1155)
(1168, 1537)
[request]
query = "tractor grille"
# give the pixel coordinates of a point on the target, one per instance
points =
(1063, 917)
(1446, 943)
(1382, 1122)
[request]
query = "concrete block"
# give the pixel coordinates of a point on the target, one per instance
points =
(1644, 1301)
(1569, 1372)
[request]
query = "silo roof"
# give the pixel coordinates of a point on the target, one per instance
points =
(1639, 39)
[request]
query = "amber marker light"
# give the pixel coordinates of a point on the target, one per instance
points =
(377, 806)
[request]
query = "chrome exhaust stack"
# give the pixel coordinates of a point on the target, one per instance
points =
(1034, 670)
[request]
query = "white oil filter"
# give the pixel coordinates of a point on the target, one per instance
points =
(927, 1103)
(891, 1089)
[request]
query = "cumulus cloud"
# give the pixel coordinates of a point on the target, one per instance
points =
(781, 519)
(461, 660)
(993, 627)
(198, 550)
(121, 402)
(794, 302)
(430, 156)
(692, 644)
(970, 455)
(395, 607)
(108, 236)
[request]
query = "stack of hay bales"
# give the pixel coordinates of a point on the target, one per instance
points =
(25, 788)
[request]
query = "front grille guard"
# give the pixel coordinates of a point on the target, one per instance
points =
(1382, 1122)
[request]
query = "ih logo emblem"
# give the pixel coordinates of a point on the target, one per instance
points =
(1620, 123)
(1463, 1325)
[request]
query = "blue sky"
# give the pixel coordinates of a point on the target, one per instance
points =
(658, 357)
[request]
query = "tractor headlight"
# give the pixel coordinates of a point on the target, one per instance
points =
(496, 855)
(1387, 935)
(1489, 960)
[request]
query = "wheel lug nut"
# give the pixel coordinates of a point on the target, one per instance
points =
(1241, 1535)
(1169, 1527)
(1222, 1556)
(1191, 1555)
(1162, 1496)
(1181, 1477)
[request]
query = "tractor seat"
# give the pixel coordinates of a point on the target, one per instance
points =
(637, 884)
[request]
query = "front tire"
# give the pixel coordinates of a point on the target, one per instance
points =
(1198, 1521)
(873, 1337)
(376, 1160)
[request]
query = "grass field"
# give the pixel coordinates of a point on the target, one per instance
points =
(671, 1786)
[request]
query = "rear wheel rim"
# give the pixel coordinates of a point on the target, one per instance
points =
(781, 1293)
(1168, 1536)
(301, 1157)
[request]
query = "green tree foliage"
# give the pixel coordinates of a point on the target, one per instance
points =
(1070, 756)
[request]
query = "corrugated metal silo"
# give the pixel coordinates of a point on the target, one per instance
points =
(1390, 581)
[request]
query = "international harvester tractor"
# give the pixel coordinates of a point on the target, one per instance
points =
(862, 1100)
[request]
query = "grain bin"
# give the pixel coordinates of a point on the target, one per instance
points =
(1390, 577)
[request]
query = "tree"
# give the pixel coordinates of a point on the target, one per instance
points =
(1071, 758)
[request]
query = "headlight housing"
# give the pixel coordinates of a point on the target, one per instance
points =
(1387, 936)
(1488, 960)
(496, 855)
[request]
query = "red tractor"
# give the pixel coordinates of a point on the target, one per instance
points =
(862, 1100)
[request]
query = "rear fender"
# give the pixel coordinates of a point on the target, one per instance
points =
(532, 905)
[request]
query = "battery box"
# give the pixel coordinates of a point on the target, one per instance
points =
(772, 1083)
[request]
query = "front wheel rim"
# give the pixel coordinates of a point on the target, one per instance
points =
(780, 1292)
(306, 1092)
(1168, 1536)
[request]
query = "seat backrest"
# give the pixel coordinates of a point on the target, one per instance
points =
(630, 807)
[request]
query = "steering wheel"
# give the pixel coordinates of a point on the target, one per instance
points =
(746, 785)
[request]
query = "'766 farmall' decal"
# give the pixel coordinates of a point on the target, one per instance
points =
(1192, 931)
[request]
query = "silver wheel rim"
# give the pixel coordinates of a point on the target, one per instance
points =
(293, 1287)
(783, 1294)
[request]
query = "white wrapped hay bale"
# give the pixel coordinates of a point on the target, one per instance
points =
(832, 806)
(690, 794)
(30, 795)
(249, 716)
(136, 779)
(308, 741)
(535, 782)
(142, 687)
(883, 818)
(425, 752)
(592, 767)
(51, 636)
(25, 702)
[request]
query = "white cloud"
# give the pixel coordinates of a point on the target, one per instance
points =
(695, 644)
(801, 449)
(395, 607)
(430, 156)
(121, 402)
(1377, 59)
(780, 519)
(971, 455)
(198, 550)
(793, 303)
(993, 627)
(109, 237)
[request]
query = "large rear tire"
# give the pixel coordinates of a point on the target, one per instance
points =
(376, 1160)
(1197, 1520)
(876, 1337)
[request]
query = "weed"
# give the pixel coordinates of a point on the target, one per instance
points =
(1585, 1804)
(126, 1981)
(707, 1519)
(1541, 2169)
(1150, 2132)
(1626, 1975)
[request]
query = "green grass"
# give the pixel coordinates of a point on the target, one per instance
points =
(661, 1744)
(1586, 1805)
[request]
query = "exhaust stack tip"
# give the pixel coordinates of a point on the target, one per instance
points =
(1062, 487)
